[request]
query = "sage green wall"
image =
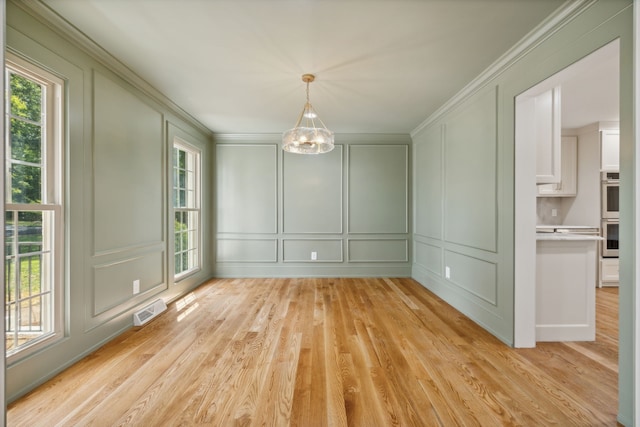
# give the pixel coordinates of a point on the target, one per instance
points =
(118, 227)
(457, 194)
(271, 210)
(464, 182)
(351, 206)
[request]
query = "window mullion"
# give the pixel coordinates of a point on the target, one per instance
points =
(23, 119)
(24, 163)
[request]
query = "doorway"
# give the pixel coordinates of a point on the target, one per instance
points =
(589, 94)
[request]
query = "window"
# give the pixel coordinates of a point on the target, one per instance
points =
(33, 208)
(186, 204)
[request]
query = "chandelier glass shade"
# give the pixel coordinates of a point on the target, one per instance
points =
(307, 136)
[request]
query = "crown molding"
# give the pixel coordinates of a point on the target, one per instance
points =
(272, 138)
(552, 24)
(73, 35)
(340, 138)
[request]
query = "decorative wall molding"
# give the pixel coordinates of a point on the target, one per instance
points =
(318, 210)
(391, 250)
(341, 138)
(436, 251)
(370, 180)
(247, 250)
(251, 169)
(369, 246)
(322, 246)
(292, 270)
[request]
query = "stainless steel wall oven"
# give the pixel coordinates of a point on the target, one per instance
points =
(610, 233)
(610, 195)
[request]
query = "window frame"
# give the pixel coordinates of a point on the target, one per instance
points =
(52, 191)
(181, 145)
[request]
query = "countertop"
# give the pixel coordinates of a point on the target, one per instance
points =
(564, 226)
(566, 236)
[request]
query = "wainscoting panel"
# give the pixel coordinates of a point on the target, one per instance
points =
(113, 282)
(299, 250)
(427, 161)
(246, 183)
(471, 173)
(247, 250)
(473, 275)
(128, 196)
(355, 196)
(378, 250)
(429, 257)
(312, 192)
(378, 188)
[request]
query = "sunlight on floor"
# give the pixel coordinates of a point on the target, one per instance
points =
(189, 302)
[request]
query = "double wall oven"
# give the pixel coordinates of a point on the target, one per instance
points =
(610, 213)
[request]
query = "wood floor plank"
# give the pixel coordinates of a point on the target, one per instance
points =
(329, 352)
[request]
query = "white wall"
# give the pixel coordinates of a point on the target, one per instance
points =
(584, 209)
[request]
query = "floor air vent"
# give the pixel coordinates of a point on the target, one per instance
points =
(149, 312)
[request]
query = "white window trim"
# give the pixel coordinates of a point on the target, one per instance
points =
(180, 144)
(52, 184)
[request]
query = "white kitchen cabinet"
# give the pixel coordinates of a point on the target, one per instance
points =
(566, 287)
(610, 150)
(609, 271)
(568, 186)
(546, 129)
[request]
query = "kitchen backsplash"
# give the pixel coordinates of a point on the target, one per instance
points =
(545, 210)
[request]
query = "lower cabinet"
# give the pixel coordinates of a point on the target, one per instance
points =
(566, 288)
(609, 271)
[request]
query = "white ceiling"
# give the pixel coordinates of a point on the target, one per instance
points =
(591, 88)
(381, 66)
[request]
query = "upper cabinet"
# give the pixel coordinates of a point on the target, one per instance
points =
(546, 128)
(610, 150)
(568, 185)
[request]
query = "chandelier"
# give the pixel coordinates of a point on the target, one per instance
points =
(306, 137)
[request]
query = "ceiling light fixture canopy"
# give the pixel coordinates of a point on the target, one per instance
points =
(306, 137)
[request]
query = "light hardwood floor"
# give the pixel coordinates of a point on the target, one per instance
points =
(316, 352)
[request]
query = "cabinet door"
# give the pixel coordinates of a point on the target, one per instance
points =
(568, 185)
(609, 271)
(610, 155)
(546, 128)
